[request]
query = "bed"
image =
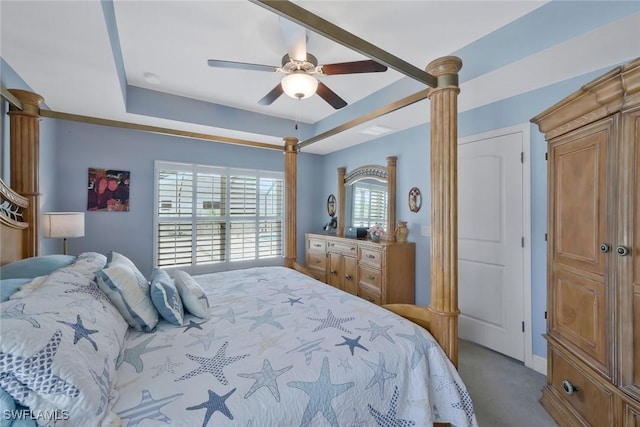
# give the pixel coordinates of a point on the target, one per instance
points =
(143, 354)
(278, 349)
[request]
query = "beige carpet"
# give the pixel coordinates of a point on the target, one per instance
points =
(504, 392)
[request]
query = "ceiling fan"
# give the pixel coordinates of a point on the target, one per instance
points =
(300, 69)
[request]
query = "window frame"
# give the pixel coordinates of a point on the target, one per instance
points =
(194, 217)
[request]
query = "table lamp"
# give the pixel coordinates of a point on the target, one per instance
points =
(63, 225)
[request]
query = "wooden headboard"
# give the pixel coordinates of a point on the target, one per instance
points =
(13, 225)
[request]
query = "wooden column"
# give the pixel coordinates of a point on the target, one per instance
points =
(342, 200)
(390, 233)
(24, 148)
(290, 185)
(444, 204)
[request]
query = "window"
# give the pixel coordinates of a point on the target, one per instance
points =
(369, 204)
(213, 215)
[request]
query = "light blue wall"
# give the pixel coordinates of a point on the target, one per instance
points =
(81, 146)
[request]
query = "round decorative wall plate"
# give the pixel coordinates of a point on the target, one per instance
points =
(415, 199)
(331, 205)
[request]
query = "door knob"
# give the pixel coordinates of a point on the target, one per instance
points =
(622, 250)
(604, 248)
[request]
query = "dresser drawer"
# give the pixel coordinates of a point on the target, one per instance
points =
(371, 256)
(371, 277)
(316, 245)
(349, 249)
(369, 294)
(316, 260)
(591, 400)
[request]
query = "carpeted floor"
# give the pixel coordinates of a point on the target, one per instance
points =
(504, 392)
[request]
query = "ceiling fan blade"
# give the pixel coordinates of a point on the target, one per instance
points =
(272, 96)
(241, 65)
(367, 66)
(295, 37)
(330, 96)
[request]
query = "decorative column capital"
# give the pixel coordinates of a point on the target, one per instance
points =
(291, 144)
(30, 102)
(446, 70)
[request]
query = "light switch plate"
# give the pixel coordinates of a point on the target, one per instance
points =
(425, 231)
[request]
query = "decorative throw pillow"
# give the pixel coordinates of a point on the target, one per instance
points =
(165, 297)
(9, 287)
(120, 284)
(193, 297)
(35, 266)
(59, 345)
(115, 258)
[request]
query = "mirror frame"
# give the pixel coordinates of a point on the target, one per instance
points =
(375, 172)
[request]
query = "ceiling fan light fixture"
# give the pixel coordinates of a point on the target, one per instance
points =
(299, 85)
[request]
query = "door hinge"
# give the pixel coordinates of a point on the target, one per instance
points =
(523, 326)
(545, 237)
(522, 241)
(546, 156)
(522, 157)
(545, 314)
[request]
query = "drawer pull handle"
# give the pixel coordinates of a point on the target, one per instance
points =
(352, 248)
(316, 260)
(370, 276)
(369, 299)
(317, 245)
(370, 256)
(622, 250)
(331, 244)
(604, 248)
(333, 272)
(569, 388)
(347, 276)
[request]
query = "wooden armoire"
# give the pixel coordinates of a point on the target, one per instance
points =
(593, 252)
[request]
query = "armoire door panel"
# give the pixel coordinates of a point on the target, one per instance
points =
(579, 195)
(629, 265)
(578, 315)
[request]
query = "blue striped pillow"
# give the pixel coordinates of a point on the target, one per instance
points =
(120, 284)
(165, 297)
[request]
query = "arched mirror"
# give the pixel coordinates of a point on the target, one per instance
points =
(367, 196)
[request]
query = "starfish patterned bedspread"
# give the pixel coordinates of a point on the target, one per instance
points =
(282, 349)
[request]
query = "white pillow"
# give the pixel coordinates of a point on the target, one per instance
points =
(193, 297)
(115, 258)
(120, 284)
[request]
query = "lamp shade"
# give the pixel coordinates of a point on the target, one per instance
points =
(63, 224)
(299, 85)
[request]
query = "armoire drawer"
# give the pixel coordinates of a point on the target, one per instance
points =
(578, 389)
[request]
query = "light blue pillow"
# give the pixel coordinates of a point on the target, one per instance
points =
(35, 266)
(7, 404)
(120, 284)
(193, 297)
(165, 297)
(9, 287)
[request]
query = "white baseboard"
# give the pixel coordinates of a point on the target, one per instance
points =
(539, 364)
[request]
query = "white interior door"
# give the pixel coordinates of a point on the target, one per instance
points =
(491, 240)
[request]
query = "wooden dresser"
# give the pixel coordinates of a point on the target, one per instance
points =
(593, 287)
(383, 273)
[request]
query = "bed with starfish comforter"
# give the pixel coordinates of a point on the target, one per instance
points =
(277, 348)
